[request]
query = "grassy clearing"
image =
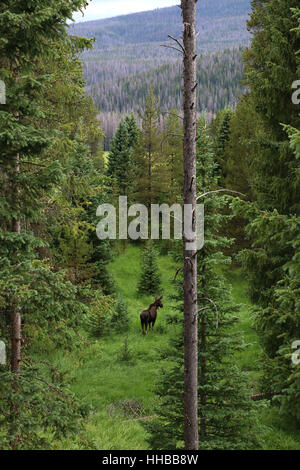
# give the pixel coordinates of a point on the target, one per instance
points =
(120, 392)
(101, 377)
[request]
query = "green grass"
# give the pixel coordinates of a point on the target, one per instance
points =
(98, 375)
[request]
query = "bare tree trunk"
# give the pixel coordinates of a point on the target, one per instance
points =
(188, 8)
(203, 378)
(16, 324)
(16, 327)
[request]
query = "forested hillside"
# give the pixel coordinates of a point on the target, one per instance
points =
(220, 76)
(128, 55)
(221, 24)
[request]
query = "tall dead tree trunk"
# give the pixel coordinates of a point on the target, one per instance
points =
(16, 328)
(188, 8)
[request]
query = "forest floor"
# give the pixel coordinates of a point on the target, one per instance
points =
(117, 374)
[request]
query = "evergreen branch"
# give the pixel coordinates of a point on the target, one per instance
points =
(32, 163)
(51, 386)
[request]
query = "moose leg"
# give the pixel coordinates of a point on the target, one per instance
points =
(153, 323)
(144, 327)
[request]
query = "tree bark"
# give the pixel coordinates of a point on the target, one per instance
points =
(16, 323)
(16, 328)
(191, 438)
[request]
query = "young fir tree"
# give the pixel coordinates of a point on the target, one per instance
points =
(132, 129)
(221, 128)
(226, 413)
(149, 164)
(150, 277)
(242, 148)
(173, 155)
(119, 159)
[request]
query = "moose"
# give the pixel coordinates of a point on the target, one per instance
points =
(148, 317)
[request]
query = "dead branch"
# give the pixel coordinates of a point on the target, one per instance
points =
(215, 307)
(220, 191)
(177, 42)
(171, 47)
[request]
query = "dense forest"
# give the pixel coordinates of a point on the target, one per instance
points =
(77, 370)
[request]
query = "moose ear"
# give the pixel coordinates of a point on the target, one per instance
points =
(161, 297)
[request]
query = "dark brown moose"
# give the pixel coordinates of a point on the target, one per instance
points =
(148, 317)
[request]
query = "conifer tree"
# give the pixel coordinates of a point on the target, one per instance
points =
(275, 180)
(242, 148)
(132, 129)
(120, 157)
(28, 172)
(222, 136)
(148, 160)
(173, 155)
(24, 145)
(271, 264)
(278, 321)
(150, 277)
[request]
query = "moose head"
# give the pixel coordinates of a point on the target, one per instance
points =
(158, 303)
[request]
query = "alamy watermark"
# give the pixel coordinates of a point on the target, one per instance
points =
(296, 355)
(2, 92)
(296, 94)
(2, 353)
(187, 223)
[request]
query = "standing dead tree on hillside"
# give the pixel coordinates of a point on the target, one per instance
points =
(188, 8)
(188, 49)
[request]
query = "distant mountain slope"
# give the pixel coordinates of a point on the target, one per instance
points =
(220, 76)
(128, 58)
(219, 21)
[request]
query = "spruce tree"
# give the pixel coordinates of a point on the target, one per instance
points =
(274, 179)
(132, 129)
(28, 172)
(272, 65)
(150, 277)
(119, 160)
(173, 155)
(149, 164)
(222, 136)
(278, 322)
